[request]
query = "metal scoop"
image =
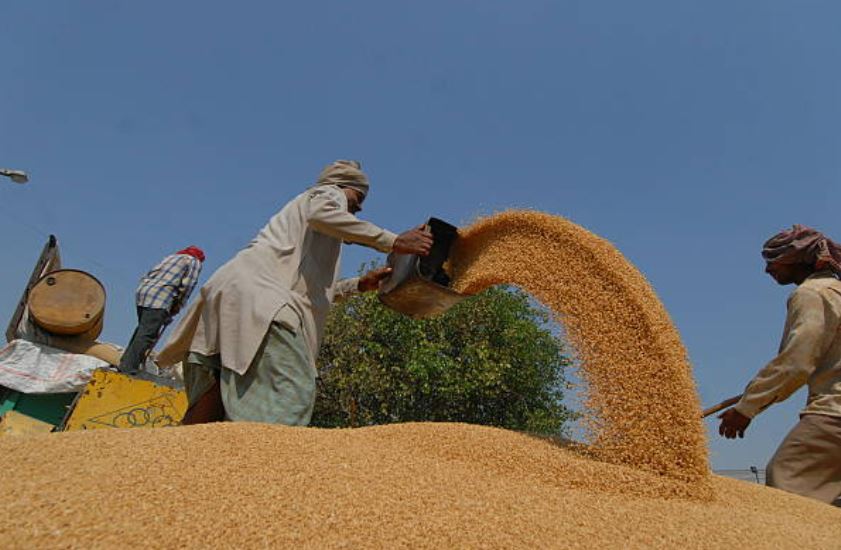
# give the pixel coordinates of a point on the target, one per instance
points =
(418, 286)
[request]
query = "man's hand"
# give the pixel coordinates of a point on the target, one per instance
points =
(733, 423)
(371, 280)
(414, 241)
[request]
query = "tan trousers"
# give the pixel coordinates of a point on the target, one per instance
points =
(808, 461)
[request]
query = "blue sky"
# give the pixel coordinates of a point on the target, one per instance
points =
(684, 132)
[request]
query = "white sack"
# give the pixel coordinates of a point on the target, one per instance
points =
(35, 368)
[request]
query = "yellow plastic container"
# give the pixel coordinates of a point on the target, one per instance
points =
(115, 400)
(15, 423)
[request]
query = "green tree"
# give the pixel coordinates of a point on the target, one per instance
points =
(489, 360)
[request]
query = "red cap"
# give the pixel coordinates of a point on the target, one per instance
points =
(193, 251)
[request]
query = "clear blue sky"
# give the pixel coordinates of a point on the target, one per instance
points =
(684, 132)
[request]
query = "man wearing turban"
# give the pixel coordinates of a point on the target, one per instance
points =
(808, 461)
(249, 342)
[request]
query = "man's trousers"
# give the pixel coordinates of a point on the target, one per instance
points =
(808, 461)
(279, 386)
(149, 323)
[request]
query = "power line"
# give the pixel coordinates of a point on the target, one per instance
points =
(120, 278)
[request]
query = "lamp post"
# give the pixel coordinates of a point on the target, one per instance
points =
(17, 176)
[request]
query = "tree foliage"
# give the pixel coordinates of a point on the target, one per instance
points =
(489, 360)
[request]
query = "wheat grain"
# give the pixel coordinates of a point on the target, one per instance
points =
(641, 399)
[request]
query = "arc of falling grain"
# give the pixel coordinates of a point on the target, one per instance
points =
(641, 399)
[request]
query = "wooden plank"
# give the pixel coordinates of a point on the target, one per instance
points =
(49, 260)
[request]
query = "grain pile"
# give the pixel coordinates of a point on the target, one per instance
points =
(406, 485)
(640, 392)
(433, 485)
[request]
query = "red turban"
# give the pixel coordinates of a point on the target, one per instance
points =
(803, 245)
(193, 251)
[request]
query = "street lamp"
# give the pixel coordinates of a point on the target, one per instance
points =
(17, 176)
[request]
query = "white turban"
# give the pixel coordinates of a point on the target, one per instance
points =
(345, 173)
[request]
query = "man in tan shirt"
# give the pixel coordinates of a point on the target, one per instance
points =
(249, 342)
(808, 461)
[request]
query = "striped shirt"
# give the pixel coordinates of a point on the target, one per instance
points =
(169, 282)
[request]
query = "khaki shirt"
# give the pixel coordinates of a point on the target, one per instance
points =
(293, 261)
(810, 352)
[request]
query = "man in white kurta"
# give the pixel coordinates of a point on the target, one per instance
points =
(808, 461)
(249, 342)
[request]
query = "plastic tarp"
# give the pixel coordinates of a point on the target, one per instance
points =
(28, 367)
